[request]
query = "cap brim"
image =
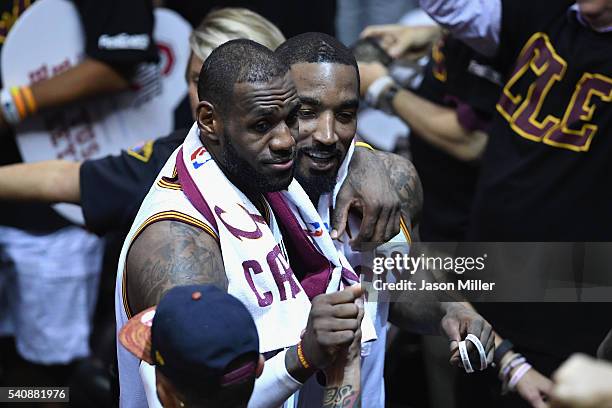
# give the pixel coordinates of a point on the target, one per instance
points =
(135, 335)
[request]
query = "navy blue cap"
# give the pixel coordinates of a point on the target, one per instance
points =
(196, 332)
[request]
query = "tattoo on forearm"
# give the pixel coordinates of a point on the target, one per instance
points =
(407, 183)
(168, 254)
(341, 397)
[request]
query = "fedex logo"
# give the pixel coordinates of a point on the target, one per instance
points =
(198, 158)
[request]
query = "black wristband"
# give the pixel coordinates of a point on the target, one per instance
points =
(386, 99)
(501, 351)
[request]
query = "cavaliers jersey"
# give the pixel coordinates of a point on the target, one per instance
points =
(546, 170)
(457, 77)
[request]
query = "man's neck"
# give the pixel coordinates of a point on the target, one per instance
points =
(314, 198)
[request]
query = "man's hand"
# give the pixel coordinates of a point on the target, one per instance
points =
(368, 73)
(582, 382)
(333, 325)
(399, 40)
(534, 388)
(368, 189)
(459, 321)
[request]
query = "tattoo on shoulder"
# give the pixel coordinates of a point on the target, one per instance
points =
(340, 397)
(168, 254)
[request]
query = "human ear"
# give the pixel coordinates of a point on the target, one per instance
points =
(208, 121)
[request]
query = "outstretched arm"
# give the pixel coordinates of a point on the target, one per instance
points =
(88, 79)
(438, 125)
(53, 181)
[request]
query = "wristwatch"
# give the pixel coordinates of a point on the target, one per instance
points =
(385, 103)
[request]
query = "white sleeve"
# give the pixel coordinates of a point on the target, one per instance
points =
(476, 22)
(147, 375)
(275, 385)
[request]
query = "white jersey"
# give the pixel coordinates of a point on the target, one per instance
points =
(166, 201)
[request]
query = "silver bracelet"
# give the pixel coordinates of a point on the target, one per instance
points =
(465, 358)
(481, 351)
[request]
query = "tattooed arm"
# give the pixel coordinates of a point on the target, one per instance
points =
(381, 187)
(168, 254)
(406, 182)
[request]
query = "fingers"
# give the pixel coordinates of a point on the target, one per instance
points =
(337, 325)
(346, 311)
(357, 290)
(348, 295)
(376, 31)
(476, 327)
(491, 356)
(339, 216)
(366, 230)
(451, 328)
(381, 226)
(455, 358)
(536, 401)
(487, 338)
(337, 338)
(393, 226)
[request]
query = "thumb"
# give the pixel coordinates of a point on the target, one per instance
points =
(339, 217)
(451, 330)
(357, 291)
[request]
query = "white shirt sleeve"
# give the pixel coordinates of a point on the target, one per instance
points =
(275, 386)
(476, 22)
(147, 375)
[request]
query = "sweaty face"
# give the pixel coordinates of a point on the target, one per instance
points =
(260, 130)
(329, 97)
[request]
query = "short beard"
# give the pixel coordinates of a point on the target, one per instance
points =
(316, 185)
(244, 176)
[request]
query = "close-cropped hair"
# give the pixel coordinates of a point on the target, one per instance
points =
(234, 62)
(231, 23)
(315, 48)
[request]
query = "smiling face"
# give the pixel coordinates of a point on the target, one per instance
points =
(329, 97)
(257, 147)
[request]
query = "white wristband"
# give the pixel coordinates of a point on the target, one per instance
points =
(481, 351)
(275, 385)
(376, 89)
(8, 107)
(516, 377)
(465, 358)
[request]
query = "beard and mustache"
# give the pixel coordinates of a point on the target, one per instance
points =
(315, 183)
